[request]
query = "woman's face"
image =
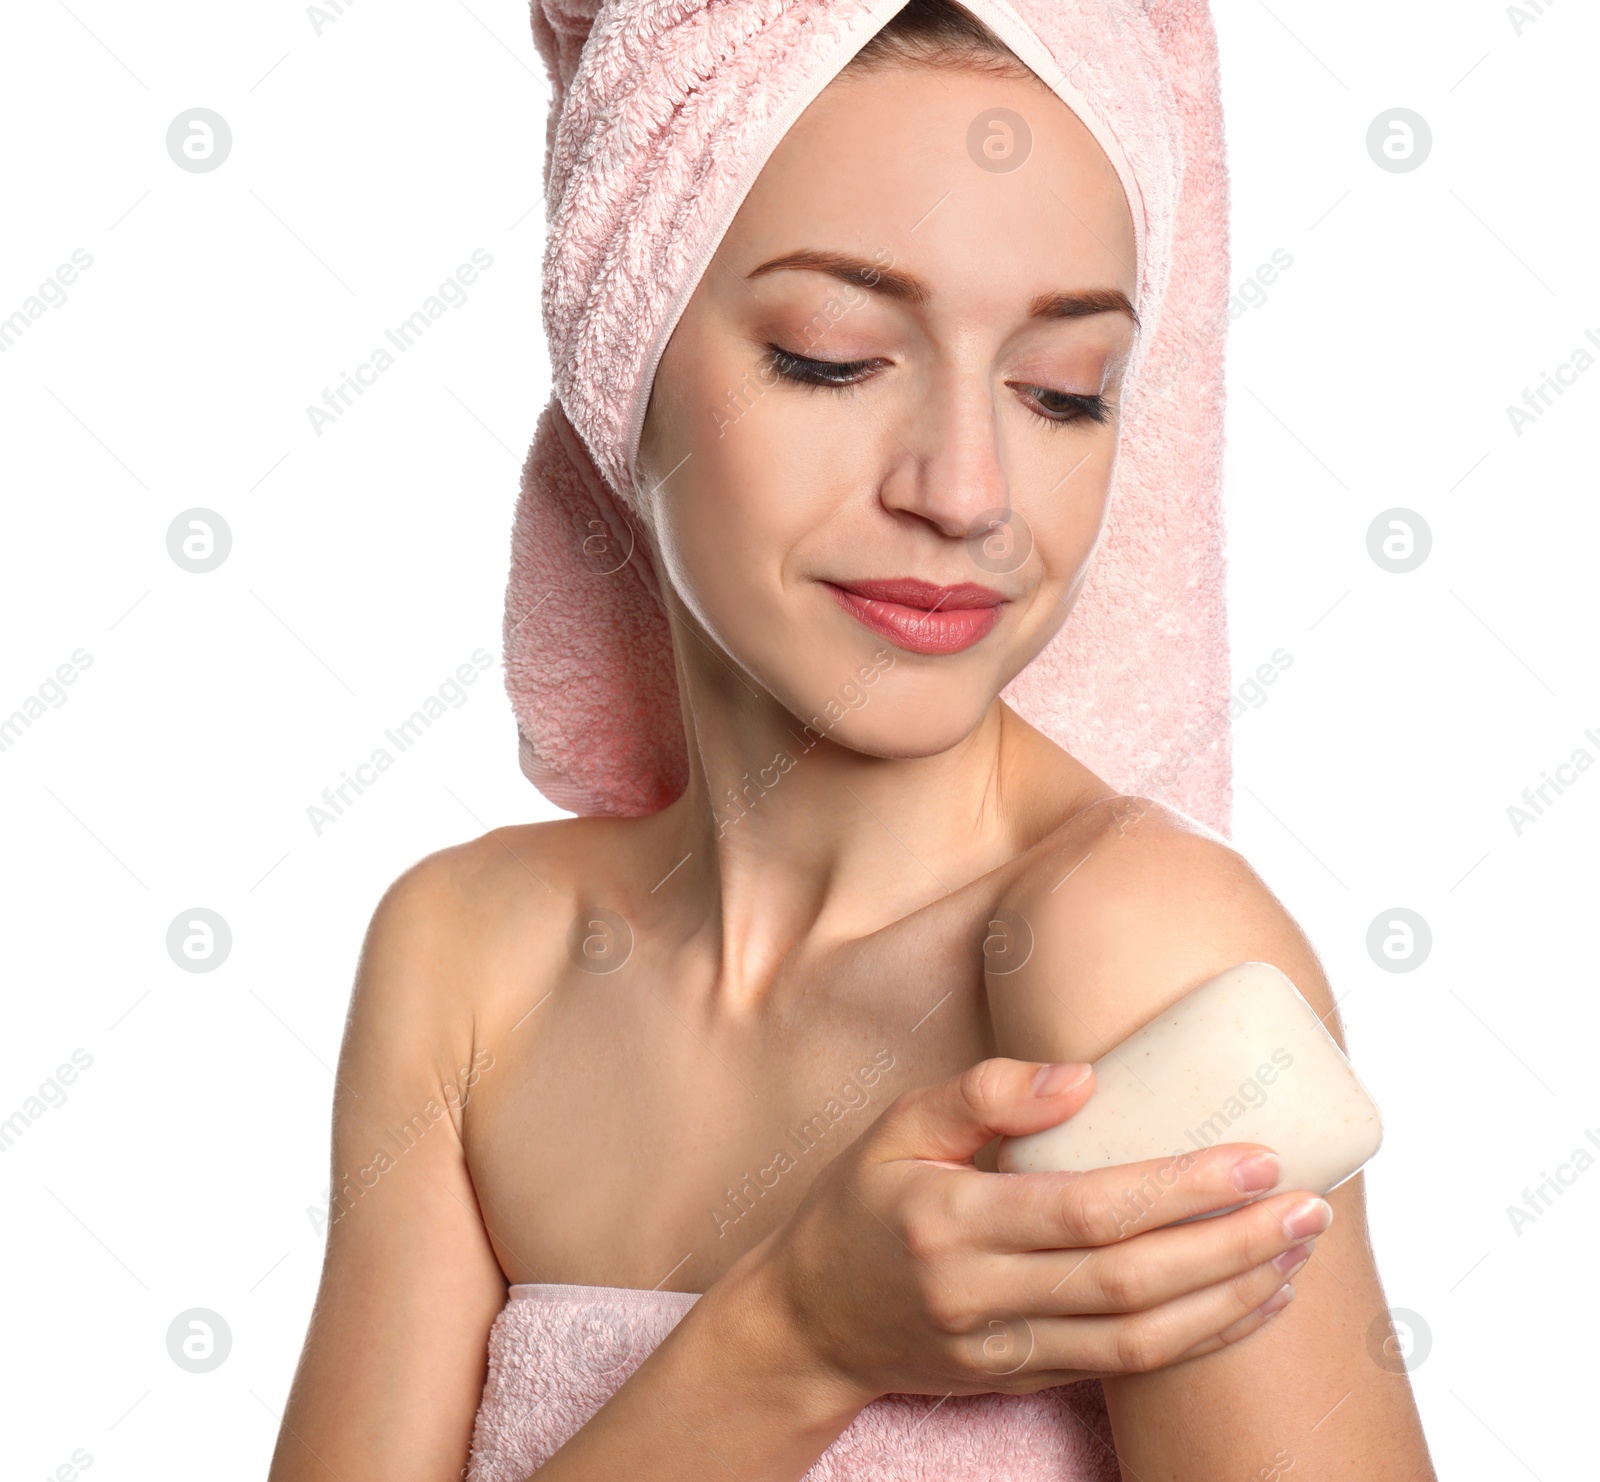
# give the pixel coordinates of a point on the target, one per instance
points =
(904, 337)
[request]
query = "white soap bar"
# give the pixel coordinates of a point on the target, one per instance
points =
(1241, 1058)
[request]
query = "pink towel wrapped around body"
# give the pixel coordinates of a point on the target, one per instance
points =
(558, 1353)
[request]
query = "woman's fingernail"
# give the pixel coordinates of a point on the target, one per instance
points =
(1052, 1080)
(1258, 1171)
(1277, 1301)
(1308, 1217)
(1293, 1259)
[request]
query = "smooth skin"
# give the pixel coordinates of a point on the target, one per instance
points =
(815, 958)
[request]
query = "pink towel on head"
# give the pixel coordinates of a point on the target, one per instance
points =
(663, 112)
(558, 1353)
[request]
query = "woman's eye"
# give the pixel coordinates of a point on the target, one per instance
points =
(1064, 407)
(837, 374)
(1059, 408)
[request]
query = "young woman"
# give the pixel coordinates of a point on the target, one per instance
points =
(590, 1032)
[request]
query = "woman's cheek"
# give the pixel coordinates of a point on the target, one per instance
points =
(724, 543)
(1067, 523)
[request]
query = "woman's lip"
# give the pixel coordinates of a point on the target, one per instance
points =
(946, 629)
(911, 591)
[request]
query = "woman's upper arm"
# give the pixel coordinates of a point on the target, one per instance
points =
(1147, 913)
(393, 1365)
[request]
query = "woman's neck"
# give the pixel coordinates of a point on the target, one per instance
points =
(786, 841)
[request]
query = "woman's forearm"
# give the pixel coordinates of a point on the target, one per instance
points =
(727, 1393)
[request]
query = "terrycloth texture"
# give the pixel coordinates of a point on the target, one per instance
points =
(558, 1353)
(662, 116)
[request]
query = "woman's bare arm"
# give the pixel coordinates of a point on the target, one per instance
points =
(1152, 909)
(394, 1362)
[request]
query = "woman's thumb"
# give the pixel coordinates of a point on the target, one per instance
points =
(997, 1097)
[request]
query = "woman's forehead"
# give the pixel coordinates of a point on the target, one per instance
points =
(904, 160)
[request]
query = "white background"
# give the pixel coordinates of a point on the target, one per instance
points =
(368, 161)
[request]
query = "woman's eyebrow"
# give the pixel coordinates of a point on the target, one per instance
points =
(896, 284)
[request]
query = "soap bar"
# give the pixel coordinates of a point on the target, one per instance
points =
(1241, 1058)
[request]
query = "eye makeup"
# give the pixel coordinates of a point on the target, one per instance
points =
(1057, 408)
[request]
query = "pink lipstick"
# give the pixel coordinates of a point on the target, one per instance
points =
(920, 616)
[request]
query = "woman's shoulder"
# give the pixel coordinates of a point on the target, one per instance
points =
(1098, 845)
(489, 884)
(458, 937)
(1130, 829)
(1114, 843)
(1122, 908)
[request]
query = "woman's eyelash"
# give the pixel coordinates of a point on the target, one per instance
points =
(1077, 406)
(1060, 408)
(835, 375)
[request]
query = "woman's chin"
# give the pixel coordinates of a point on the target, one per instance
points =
(892, 737)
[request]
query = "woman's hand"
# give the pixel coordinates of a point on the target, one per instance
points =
(905, 1269)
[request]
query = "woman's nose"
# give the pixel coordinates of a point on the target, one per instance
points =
(946, 464)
